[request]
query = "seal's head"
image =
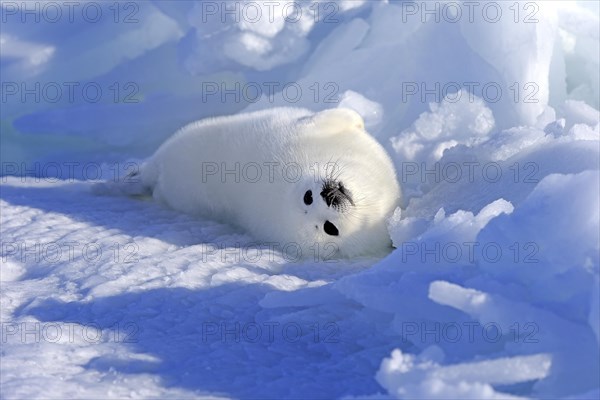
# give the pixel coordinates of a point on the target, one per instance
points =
(334, 220)
(342, 205)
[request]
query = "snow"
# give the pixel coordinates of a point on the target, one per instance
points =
(492, 290)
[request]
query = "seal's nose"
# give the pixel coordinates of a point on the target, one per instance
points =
(336, 195)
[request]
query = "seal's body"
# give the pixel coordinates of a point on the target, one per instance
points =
(316, 181)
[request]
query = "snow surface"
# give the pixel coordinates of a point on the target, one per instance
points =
(493, 290)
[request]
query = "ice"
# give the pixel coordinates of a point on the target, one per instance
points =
(580, 42)
(461, 225)
(257, 35)
(464, 299)
(128, 41)
(532, 275)
(460, 118)
(579, 112)
(492, 290)
(502, 313)
(594, 317)
(407, 376)
(371, 112)
(30, 55)
(550, 198)
(521, 65)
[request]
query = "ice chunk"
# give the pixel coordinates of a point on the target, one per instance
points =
(407, 376)
(464, 299)
(548, 328)
(579, 112)
(550, 214)
(371, 111)
(461, 118)
(461, 226)
(527, 65)
(30, 55)
(256, 35)
(594, 317)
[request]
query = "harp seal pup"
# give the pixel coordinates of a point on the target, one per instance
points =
(317, 182)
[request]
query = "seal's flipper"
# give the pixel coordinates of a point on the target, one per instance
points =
(132, 184)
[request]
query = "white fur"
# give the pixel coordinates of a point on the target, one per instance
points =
(332, 142)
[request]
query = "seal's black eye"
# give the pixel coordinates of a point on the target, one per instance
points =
(308, 197)
(330, 229)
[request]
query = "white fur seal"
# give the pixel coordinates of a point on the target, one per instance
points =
(317, 181)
